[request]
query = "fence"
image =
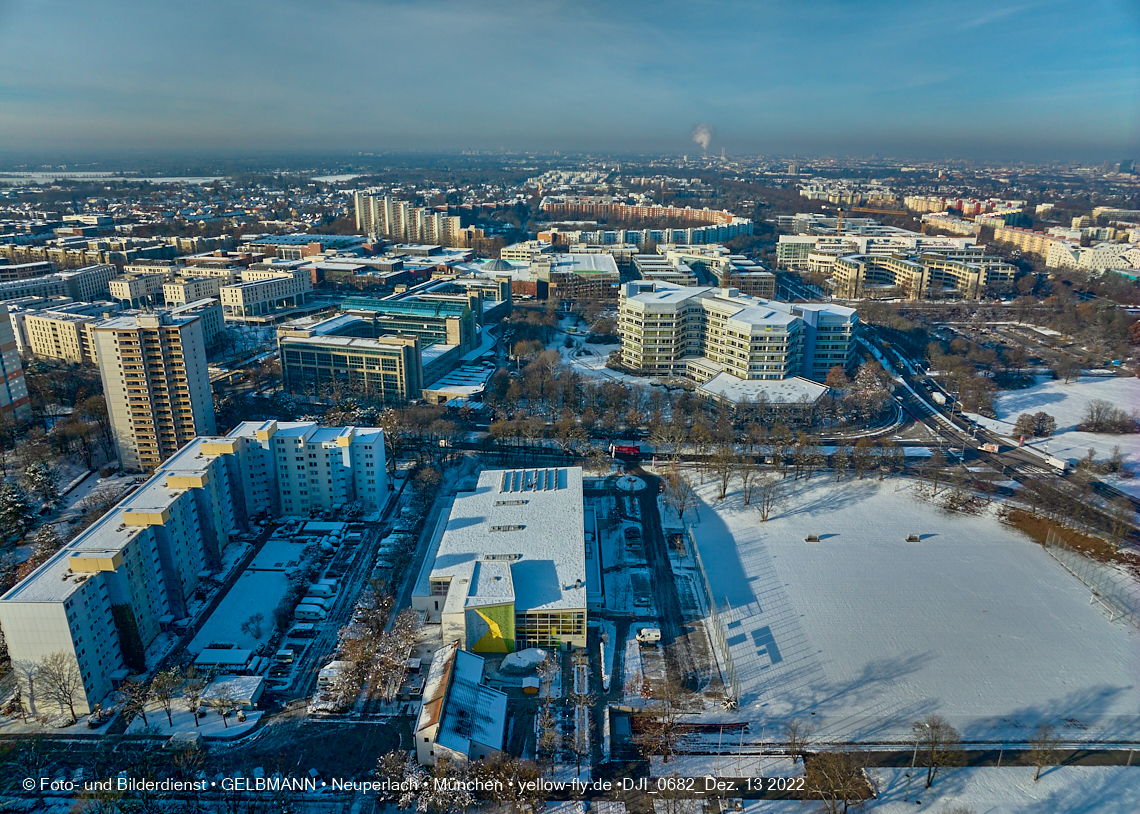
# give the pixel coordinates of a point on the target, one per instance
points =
(716, 628)
(1118, 593)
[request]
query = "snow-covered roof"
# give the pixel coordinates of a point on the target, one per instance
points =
(530, 521)
(778, 391)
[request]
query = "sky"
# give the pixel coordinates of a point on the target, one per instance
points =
(1016, 80)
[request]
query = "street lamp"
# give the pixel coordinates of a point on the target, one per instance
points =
(914, 757)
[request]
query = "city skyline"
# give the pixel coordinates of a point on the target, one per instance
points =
(1024, 81)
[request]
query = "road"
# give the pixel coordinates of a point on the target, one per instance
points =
(675, 632)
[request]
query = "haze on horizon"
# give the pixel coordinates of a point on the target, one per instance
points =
(1006, 80)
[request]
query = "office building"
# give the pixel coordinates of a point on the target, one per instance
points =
(263, 291)
(526, 251)
(182, 290)
(320, 364)
(506, 567)
(107, 594)
(14, 403)
(157, 387)
(24, 271)
(570, 278)
(137, 290)
(967, 273)
(700, 332)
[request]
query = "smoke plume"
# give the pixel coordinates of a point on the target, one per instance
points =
(703, 135)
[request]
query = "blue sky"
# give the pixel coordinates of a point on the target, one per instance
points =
(1007, 80)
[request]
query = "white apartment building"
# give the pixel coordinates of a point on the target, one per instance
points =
(88, 283)
(157, 387)
(306, 466)
(1065, 254)
(526, 251)
(402, 222)
(108, 593)
(702, 332)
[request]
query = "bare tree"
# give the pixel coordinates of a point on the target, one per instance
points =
(1044, 749)
(939, 743)
(659, 729)
(863, 456)
(192, 690)
(797, 733)
(724, 463)
(838, 779)
(840, 460)
(253, 625)
(223, 701)
(769, 496)
(679, 493)
(748, 473)
(60, 681)
(937, 467)
(163, 689)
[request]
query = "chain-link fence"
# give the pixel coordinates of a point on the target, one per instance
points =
(1118, 593)
(716, 627)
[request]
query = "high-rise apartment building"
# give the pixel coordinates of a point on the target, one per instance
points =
(404, 223)
(13, 390)
(156, 384)
(108, 593)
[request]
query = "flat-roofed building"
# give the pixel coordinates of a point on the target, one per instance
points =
(155, 380)
(701, 332)
(60, 335)
(506, 568)
(575, 277)
(138, 290)
(182, 290)
(25, 271)
(967, 273)
(262, 292)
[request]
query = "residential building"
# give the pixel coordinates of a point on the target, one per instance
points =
(572, 207)
(14, 403)
(461, 718)
(402, 222)
(506, 566)
(1070, 254)
(700, 332)
(108, 593)
(209, 310)
(61, 335)
(294, 467)
(1028, 241)
(24, 271)
(157, 387)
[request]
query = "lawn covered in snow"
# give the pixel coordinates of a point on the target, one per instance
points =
(254, 592)
(1066, 403)
(1008, 790)
(863, 633)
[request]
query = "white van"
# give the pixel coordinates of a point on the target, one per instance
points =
(309, 613)
(322, 602)
(649, 635)
(321, 590)
(331, 582)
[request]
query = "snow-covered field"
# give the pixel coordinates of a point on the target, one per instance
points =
(1066, 403)
(863, 633)
(1063, 790)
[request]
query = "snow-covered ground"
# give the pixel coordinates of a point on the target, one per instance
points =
(863, 633)
(254, 592)
(1009, 790)
(1066, 403)
(210, 724)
